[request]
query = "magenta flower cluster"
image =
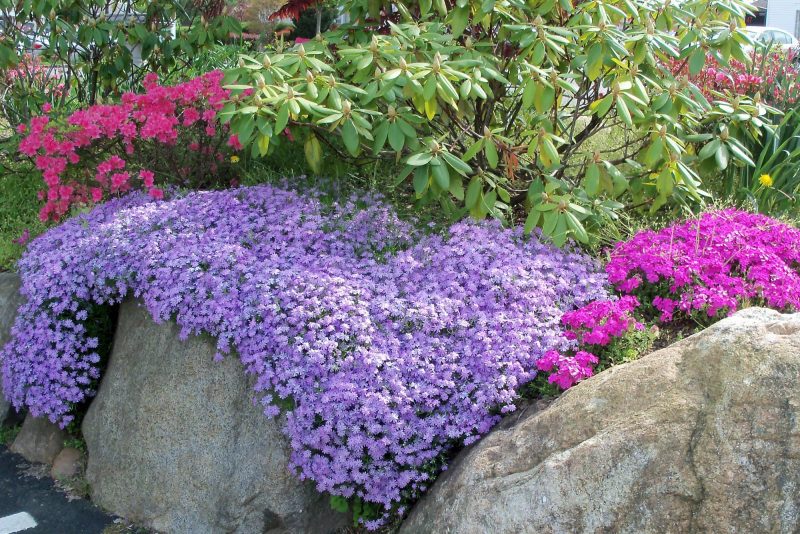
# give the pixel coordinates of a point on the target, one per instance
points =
(386, 347)
(596, 324)
(712, 265)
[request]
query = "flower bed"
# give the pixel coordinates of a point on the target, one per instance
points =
(385, 347)
(712, 265)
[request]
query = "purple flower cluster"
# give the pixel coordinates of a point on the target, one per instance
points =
(384, 346)
(712, 264)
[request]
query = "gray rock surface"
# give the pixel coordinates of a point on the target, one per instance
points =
(39, 440)
(701, 436)
(10, 300)
(68, 464)
(176, 444)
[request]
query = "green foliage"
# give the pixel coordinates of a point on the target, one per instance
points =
(100, 49)
(19, 210)
(76, 443)
(490, 107)
(360, 509)
(9, 434)
(772, 184)
(631, 346)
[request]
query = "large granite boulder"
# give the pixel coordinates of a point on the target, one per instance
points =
(10, 300)
(702, 436)
(176, 444)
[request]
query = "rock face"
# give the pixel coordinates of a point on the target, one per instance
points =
(67, 464)
(175, 443)
(10, 300)
(702, 436)
(39, 440)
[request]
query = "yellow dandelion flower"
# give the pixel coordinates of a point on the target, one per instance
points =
(765, 180)
(234, 159)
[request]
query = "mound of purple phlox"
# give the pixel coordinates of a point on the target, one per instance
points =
(388, 346)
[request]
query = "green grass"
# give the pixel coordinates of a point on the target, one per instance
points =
(19, 211)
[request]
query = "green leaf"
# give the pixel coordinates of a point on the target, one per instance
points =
(592, 180)
(665, 183)
(282, 119)
(472, 150)
(491, 153)
(532, 220)
(456, 164)
(594, 61)
(709, 149)
(313, 150)
(577, 228)
(339, 504)
(441, 175)
(550, 220)
(419, 159)
(350, 137)
(722, 157)
(624, 112)
(396, 137)
(696, 61)
(473, 192)
(421, 180)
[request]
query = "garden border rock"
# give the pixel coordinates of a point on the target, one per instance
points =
(175, 442)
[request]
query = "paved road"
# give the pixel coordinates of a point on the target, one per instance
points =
(25, 500)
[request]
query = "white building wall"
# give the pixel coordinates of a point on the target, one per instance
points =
(783, 14)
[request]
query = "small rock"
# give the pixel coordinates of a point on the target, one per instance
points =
(68, 464)
(39, 440)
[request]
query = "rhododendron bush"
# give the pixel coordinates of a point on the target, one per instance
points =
(387, 346)
(711, 266)
(168, 134)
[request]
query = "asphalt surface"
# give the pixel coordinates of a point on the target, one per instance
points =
(20, 491)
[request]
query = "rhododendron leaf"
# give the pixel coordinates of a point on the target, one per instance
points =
(441, 176)
(665, 182)
(490, 150)
(396, 137)
(532, 220)
(592, 183)
(282, 118)
(709, 149)
(550, 220)
(350, 137)
(313, 151)
(263, 144)
(474, 190)
(559, 234)
(457, 188)
(421, 158)
(421, 180)
(721, 156)
(696, 61)
(456, 164)
(473, 150)
(577, 228)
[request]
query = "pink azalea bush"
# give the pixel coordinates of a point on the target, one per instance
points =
(166, 135)
(711, 266)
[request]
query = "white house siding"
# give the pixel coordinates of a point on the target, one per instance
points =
(783, 14)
